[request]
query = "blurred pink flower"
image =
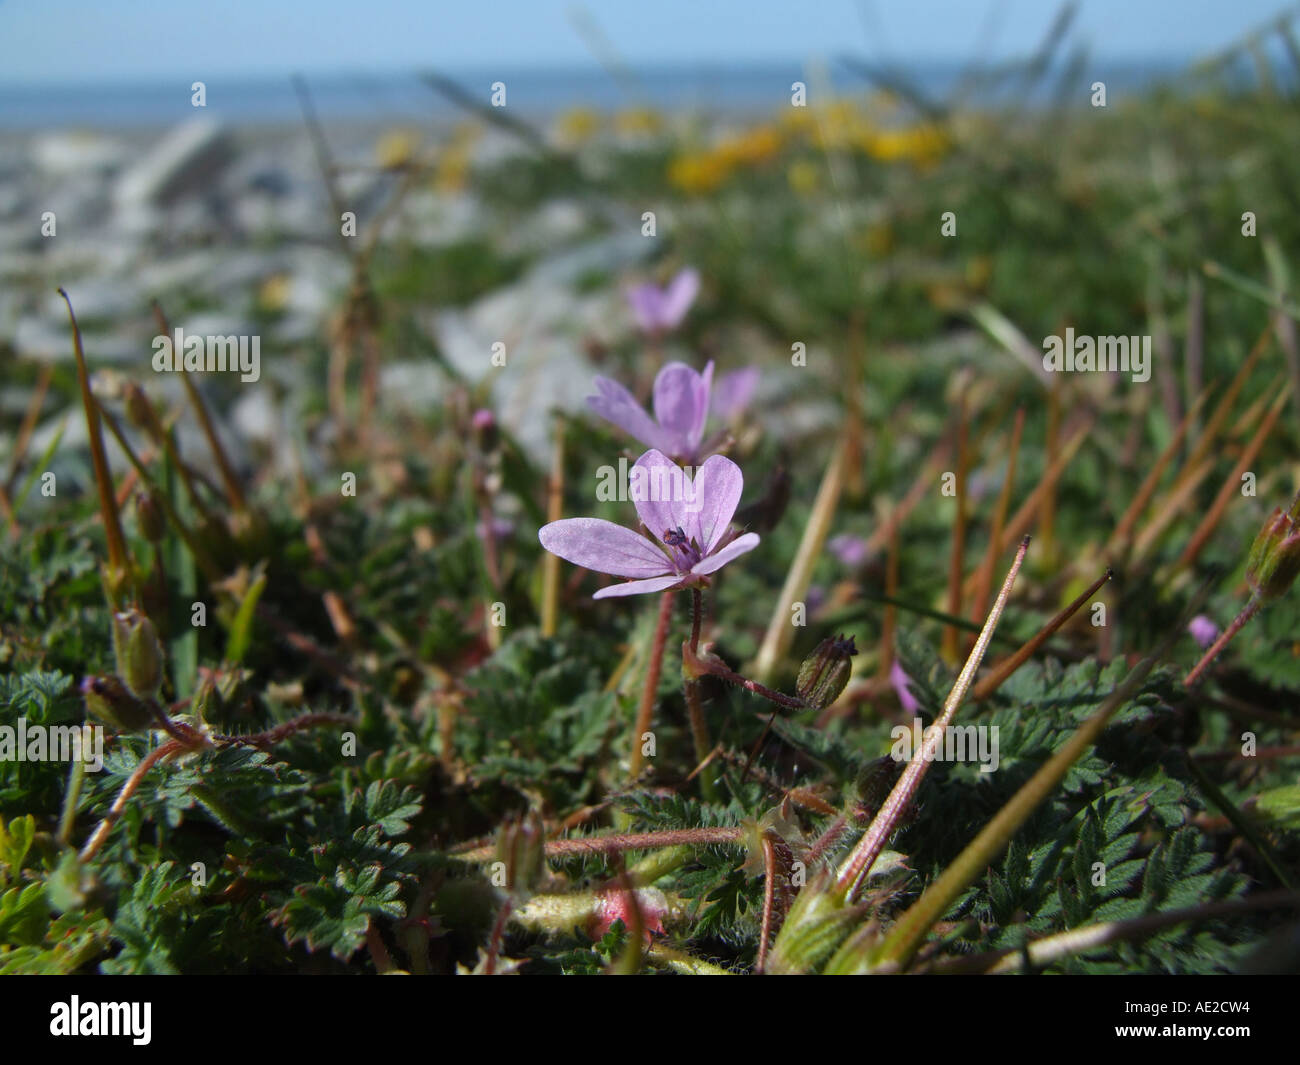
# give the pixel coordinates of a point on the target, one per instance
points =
(681, 403)
(734, 391)
(900, 680)
(848, 549)
(1203, 630)
(659, 310)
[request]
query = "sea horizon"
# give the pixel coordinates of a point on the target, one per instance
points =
(537, 91)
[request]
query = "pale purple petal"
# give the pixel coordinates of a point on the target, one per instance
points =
(617, 405)
(678, 297)
(604, 547)
(652, 584)
(646, 302)
(849, 549)
(718, 484)
(681, 402)
(718, 559)
(900, 680)
(734, 391)
(663, 495)
(1203, 630)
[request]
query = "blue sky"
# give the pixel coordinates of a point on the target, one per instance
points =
(87, 41)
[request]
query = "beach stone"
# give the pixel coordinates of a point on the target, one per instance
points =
(187, 159)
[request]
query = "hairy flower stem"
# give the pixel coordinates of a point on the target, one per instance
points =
(619, 842)
(1238, 623)
(694, 703)
(645, 713)
(132, 784)
(852, 873)
(769, 899)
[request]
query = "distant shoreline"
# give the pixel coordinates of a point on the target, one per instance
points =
(405, 99)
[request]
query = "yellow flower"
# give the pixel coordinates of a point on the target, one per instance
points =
(273, 293)
(698, 173)
(396, 148)
(751, 148)
(638, 120)
(577, 125)
(804, 177)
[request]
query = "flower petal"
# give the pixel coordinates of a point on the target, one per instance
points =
(678, 297)
(717, 487)
(604, 547)
(616, 404)
(681, 403)
(735, 549)
(652, 584)
(663, 495)
(646, 302)
(734, 392)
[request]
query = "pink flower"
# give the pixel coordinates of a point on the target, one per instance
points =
(1203, 630)
(681, 402)
(658, 310)
(900, 680)
(848, 549)
(689, 524)
(734, 391)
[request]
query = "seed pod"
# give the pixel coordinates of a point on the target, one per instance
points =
(139, 655)
(826, 671)
(107, 698)
(1274, 560)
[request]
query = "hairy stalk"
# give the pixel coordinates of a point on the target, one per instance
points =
(904, 938)
(133, 782)
(645, 713)
(694, 701)
(1225, 637)
(617, 843)
(769, 899)
(854, 870)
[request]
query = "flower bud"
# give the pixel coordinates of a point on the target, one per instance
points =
(108, 699)
(139, 656)
(1274, 560)
(826, 671)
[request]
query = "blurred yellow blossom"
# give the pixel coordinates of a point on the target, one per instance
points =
(697, 173)
(638, 120)
(273, 293)
(576, 125)
(804, 177)
(396, 148)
